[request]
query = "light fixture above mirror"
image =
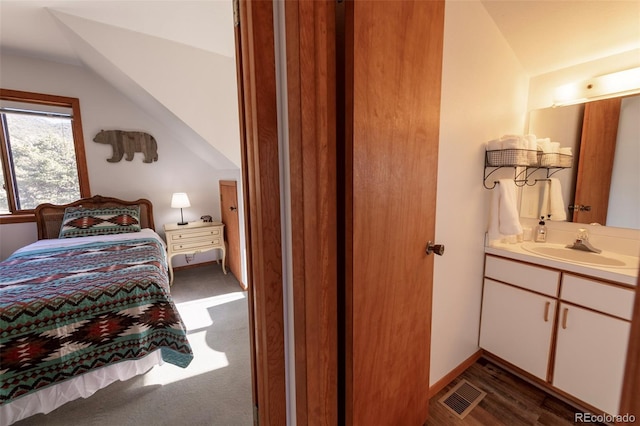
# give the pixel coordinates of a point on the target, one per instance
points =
(621, 83)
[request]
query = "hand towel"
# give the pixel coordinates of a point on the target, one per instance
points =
(530, 204)
(552, 201)
(503, 216)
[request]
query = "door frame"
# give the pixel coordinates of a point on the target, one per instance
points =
(257, 92)
(630, 403)
(311, 132)
(312, 129)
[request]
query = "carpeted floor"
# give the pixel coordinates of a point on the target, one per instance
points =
(215, 389)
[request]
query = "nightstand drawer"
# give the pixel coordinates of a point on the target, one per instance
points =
(196, 233)
(194, 245)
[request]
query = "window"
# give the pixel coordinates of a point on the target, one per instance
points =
(42, 153)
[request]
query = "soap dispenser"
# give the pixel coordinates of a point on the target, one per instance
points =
(541, 231)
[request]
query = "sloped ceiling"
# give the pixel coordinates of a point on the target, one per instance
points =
(178, 64)
(550, 35)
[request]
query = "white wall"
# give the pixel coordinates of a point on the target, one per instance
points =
(178, 169)
(484, 95)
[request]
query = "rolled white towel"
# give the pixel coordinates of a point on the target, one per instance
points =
(544, 144)
(554, 156)
(494, 145)
(566, 157)
(511, 143)
(516, 145)
(531, 147)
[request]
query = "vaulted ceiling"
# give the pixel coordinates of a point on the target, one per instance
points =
(27, 26)
(162, 54)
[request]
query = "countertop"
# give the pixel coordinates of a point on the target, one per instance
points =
(516, 251)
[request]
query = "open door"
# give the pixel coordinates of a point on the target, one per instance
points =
(393, 65)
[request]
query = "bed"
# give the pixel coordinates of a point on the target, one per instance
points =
(84, 306)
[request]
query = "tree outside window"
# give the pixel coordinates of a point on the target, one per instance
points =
(42, 152)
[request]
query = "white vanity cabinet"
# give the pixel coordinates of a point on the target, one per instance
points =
(592, 341)
(526, 307)
(518, 313)
(517, 326)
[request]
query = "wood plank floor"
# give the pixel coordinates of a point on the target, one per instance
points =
(510, 401)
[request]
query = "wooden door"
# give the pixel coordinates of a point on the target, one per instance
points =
(229, 212)
(597, 150)
(393, 63)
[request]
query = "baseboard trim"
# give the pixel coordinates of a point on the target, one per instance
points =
(450, 377)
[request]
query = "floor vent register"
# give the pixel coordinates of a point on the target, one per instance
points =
(462, 399)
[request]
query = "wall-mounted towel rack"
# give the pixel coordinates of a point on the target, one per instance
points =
(525, 163)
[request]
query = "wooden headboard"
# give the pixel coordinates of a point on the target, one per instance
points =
(49, 216)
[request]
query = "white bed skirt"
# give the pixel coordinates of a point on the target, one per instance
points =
(52, 397)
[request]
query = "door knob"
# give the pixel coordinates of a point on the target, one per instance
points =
(435, 248)
(233, 208)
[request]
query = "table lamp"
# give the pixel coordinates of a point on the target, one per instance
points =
(178, 201)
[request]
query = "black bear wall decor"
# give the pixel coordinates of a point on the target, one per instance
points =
(128, 143)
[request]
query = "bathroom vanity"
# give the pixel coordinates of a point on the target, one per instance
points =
(564, 323)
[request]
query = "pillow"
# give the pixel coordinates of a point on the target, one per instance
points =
(85, 222)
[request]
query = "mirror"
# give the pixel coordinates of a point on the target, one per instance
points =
(564, 124)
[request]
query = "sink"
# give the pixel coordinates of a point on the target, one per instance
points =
(560, 252)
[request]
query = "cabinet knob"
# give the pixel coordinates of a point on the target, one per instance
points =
(233, 208)
(435, 248)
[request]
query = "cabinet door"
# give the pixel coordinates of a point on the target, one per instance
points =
(590, 356)
(517, 326)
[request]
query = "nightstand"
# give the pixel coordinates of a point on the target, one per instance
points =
(194, 237)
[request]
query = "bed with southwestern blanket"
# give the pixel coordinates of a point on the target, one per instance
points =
(78, 306)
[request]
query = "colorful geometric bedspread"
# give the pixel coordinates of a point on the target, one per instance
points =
(68, 311)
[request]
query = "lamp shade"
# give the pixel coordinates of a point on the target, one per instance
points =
(180, 200)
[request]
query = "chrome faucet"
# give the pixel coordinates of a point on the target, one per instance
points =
(582, 242)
